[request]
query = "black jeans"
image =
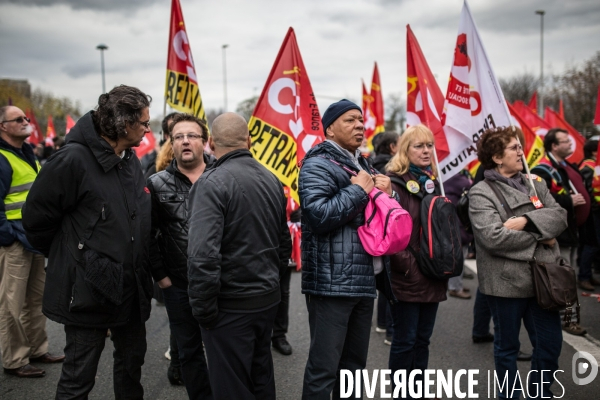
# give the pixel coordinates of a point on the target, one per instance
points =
(482, 315)
(238, 349)
(83, 350)
(282, 319)
(188, 336)
(340, 328)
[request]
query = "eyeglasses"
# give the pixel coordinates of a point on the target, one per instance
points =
(517, 147)
(145, 124)
(421, 146)
(190, 136)
(17, 120)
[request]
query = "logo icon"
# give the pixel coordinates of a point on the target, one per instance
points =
(584, 364)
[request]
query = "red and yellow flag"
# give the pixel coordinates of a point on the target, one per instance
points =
(50, 132)
(181, 89)
(577, 141)
(531, 119)
(534, 145)
(533, 103)
(370, 122)
(286, 122)
(377, 104)
(425, 101)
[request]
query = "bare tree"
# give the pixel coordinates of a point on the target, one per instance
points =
(246, 107)
(395, 109)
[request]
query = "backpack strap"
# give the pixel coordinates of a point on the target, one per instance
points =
(348, 170)
(500, 196)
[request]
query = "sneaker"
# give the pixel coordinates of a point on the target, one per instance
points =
(575, 329)
(586, 285)
(380, 329)
(168, 354)
(483, 339)
(460, 294)
(282, 346)
(387, 340)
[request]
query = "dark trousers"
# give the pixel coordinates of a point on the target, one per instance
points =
(239, 354)
(340, 328)
(384, 314)
(282, 318)
(545, 333)
(83, 350)
(188, 338)
(482, 315)
(589, 253)
(413, 326)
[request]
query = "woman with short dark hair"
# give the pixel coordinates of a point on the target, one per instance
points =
(504, 248)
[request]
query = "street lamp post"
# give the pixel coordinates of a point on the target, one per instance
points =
(102, 47)
(224, 77)
(541, 96)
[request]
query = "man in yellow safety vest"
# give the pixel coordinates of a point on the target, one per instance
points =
(23, 338)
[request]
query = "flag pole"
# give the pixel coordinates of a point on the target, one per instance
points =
(439, 177)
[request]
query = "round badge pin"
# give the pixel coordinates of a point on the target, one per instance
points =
(412, 186)
(429, 186)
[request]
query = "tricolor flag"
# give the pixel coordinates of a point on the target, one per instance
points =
(538, 125)
(425, 100)
(533, 103)
(577, 141)
(370, 122)
(474, 99)
(36, 134)
(70, 124)
(286, 122)
(377, 105)
(181, 90)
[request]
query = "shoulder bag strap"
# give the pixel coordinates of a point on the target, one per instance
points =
(500, 197)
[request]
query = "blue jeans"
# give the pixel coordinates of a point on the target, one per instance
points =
(482, 315)
(413, 326)
(545, 333)
(188, 336)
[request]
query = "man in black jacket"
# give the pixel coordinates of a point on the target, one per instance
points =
(238, 242)
(89, 213)
(168, 250)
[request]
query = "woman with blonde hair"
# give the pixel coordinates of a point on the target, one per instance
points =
(414, 175)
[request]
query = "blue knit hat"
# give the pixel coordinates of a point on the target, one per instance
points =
(335, 110)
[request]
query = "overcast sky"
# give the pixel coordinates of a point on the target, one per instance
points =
(52, 43)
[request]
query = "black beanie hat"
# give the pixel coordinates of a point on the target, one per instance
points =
(335, 110)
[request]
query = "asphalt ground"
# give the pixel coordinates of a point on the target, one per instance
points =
(451, 349)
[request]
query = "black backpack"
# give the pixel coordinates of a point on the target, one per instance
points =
(440, 255)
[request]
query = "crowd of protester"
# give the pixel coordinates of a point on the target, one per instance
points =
(178, 227)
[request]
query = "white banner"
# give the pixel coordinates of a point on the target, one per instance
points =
(474, 100)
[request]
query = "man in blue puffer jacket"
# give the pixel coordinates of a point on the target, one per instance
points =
(338, 275)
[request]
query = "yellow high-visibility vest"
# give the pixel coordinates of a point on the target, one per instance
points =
(22, 180)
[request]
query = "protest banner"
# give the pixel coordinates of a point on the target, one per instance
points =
(286, 122)
(181, 89)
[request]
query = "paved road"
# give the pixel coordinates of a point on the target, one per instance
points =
(451, 348)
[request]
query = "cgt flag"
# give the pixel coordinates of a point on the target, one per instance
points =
(531, 119)
(534, 145)
(474, 99)
(369, 118)
(425, 101)
(577, 141)
(181, 90)
(533, 103)
(36, 134)
(377, 105)
(286, 122)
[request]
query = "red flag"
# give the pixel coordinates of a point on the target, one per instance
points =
(146, 146)
(50, 132)
(533, 103)
(597, 117)
(577, 140)
(70, 124)
(368, 116)
(286, 122)
(181, 89)
(561, 109)
(422, 84)
(36, 134)
(377, 105)
(531, 119)
(534, 145)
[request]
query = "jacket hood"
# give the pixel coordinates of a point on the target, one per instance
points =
(84, 133)
(328, 150)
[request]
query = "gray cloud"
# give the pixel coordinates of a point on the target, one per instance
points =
(96, 5)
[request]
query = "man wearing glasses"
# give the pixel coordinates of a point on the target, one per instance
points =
(23, 336)
(169, 241)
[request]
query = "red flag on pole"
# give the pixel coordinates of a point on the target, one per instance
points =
(36, 134)
(425, 101)
(370, 122)
(181, 89)
(533, 103)
(531, 119)
(377, 105)
(561, 109)
(286, 122)
(534, 145)
(577, 140)
(50, 132)
(70, 124)
(597, 117)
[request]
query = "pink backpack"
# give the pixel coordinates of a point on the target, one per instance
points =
(387, 227)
